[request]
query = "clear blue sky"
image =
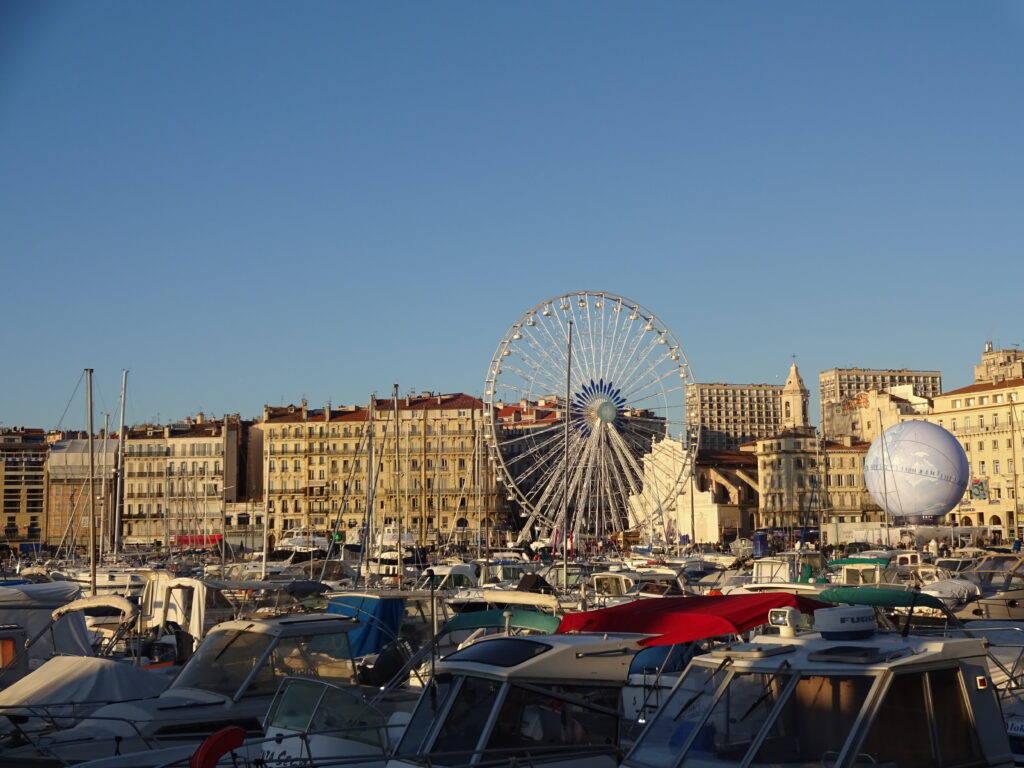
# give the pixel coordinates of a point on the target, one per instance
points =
(248, 202)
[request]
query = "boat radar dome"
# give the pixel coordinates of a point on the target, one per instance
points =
(847, 622)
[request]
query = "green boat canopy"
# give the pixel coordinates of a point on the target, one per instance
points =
(879, 596)
(543, 623)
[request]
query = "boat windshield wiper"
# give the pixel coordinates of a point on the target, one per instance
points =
(767, 689)
(700, 692)
(231, 642)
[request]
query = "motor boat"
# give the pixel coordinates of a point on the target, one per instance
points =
(230, 680)
(839, 695)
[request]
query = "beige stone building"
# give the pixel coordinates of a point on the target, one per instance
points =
(23, 453)
(66, 522)
(864, 416)
(988, 419)
(788, 464)
(718, 504)
(428, 480)
(179, 478)
(999, 365)
(837, 385)
(732, 414)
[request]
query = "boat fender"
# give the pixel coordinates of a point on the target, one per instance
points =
(216, 745)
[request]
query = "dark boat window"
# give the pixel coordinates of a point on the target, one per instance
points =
(431, 704)
(535, 722)
(457, 741)
(924, 722)
(815, 720)
(501, 652)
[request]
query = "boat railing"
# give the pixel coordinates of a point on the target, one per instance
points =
(52, 718)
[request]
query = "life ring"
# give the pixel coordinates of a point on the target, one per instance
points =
(216, 745)
(714, 593)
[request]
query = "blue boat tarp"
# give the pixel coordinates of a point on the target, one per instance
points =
(381, 617)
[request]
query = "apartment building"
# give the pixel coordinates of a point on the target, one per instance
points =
(988, 420)
(837, 385)
(417, 462)
(66, 520)
(179, 478)
(730, 415)
(23, 453)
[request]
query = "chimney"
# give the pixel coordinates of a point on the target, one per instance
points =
(988, 346)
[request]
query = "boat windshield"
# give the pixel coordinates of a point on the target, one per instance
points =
(781, 717)
(309, 706)
(225, 660)
(534, 719)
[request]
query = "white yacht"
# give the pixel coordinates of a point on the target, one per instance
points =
(842, 695)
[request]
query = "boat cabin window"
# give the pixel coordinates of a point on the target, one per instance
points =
(678, 717)
(223, 661)
(459, 735)
(924, 720)
(500, 652)
(433, 701)
(308, 706)
(323, 656)
(557, 719)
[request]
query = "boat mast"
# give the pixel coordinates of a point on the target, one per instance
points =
(92, 488)
(565, 462)
(397, 475)
(119, 493)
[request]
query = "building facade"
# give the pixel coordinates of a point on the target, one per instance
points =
(999, 365)
(864, 416)
(730, 415)
(417, 464)
(839, 384)
(66, 522)
(23, 453)
(179, 478)
(988, 420)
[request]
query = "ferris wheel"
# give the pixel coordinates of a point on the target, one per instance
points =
(624, 377)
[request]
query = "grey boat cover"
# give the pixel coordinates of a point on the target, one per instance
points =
(71, 687)
(31, 606)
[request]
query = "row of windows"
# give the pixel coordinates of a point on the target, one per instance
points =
(993, 421)
(384, 427)
(996, 399)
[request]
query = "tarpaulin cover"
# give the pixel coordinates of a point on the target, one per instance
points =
(381, 618)
(682, 619)
(30, 605)
(74, 686)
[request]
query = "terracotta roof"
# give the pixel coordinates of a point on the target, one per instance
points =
(986, 386)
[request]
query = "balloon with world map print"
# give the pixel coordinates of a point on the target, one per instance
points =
(916, 471)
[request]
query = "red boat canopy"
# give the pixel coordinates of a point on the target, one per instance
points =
(682, 619)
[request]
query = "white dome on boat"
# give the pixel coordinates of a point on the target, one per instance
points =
(846, 622)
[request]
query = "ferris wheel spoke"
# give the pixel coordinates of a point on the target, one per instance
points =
(642, 368)
(644, 389)
(622, 404)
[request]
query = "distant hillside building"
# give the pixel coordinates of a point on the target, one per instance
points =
(837, 385)
(999, 365)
